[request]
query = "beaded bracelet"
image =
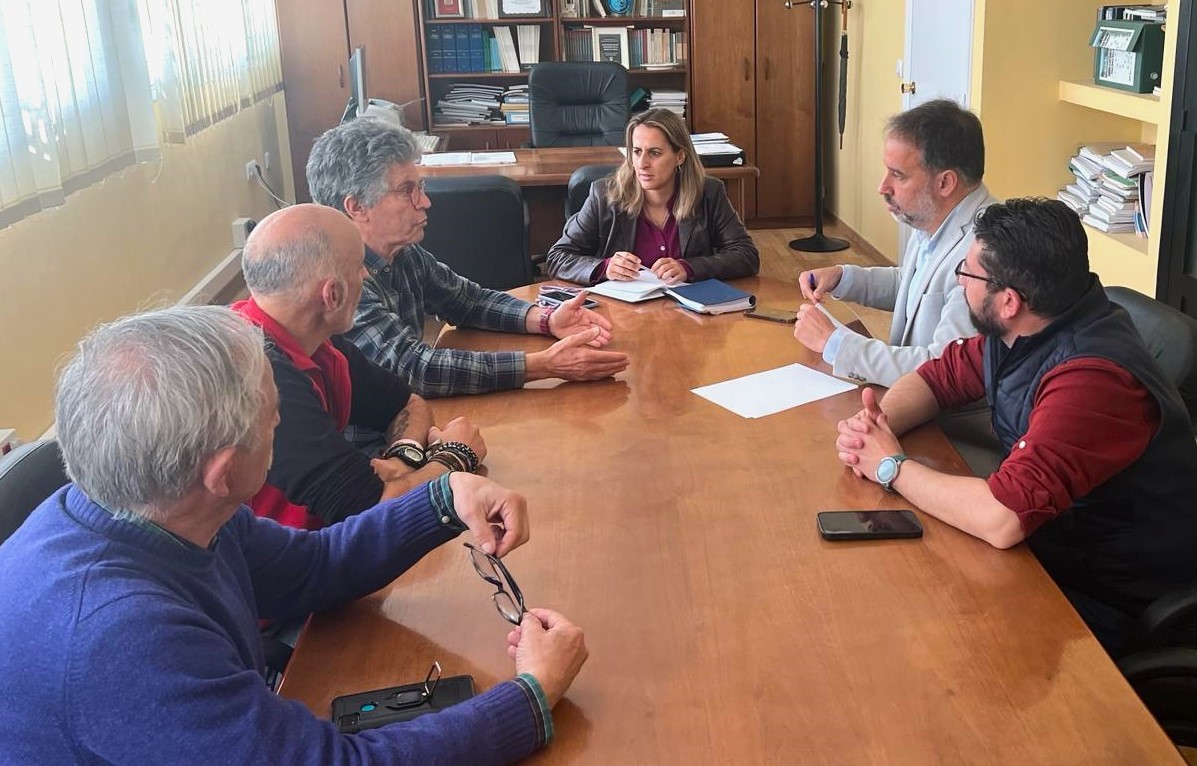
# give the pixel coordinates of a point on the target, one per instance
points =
(463, 448)
(457, 453)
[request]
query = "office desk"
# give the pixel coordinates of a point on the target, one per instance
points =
(544, 173)
(722, 629)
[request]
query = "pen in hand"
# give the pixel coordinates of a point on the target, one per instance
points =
(810, 280)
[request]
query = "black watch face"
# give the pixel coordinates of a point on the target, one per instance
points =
(412, 455)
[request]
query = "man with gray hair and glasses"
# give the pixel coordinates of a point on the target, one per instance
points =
(367, 169)
(130, 622)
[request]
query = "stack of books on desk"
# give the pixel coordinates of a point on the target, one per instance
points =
(665, 98)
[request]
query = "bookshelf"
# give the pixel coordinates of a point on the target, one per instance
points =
(652, 39)
(1143, 107)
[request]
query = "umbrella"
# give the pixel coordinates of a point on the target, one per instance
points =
(844, 6)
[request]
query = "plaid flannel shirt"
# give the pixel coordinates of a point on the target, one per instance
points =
(389, 325)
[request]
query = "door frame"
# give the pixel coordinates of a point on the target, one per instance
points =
(906, 51)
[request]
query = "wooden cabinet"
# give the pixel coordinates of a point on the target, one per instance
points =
(496, 138)
(752, 78)
(315, 40)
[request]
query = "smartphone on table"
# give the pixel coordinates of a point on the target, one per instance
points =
(555, 295)
(868, 525)
(772, 314)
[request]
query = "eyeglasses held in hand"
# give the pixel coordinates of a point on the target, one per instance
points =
(509, 600)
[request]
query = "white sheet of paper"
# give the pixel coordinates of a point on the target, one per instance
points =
(445, 158)
(772, 391)
(492, 158)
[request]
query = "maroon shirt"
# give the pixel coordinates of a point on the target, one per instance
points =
(1091, 419)
(653, 244)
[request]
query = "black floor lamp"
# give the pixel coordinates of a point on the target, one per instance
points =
(819, 242)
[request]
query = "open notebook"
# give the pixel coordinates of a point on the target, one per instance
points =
(645, 286)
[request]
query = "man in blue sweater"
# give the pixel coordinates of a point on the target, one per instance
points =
(129, 616)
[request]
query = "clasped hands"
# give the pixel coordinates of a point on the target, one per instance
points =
(866, 438)
(624, 266)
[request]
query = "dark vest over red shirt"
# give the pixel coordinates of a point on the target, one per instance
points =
(328, 371)
(1133, 538)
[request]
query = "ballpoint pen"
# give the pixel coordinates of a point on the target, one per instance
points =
(810, 280)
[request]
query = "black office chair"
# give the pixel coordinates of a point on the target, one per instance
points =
(574, 103)
(579, 185)
(1161, 659)
(1170, 336)
(478, 226)
(28, 475)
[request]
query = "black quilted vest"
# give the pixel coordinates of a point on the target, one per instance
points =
(1133, 538)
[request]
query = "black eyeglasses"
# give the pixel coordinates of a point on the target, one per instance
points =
(960, 272)
(403, 700)
(413, 190)
(509, 600)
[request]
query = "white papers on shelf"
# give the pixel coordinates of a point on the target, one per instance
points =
(440, 159)
(773, 391)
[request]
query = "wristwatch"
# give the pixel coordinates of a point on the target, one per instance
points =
(407, 450)
(887, 470)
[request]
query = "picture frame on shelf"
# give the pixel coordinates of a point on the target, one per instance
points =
(610, 44)
(516, 9)
(448, 9)
(570, 9)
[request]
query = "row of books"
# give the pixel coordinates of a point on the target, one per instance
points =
(576, 9)
(1107, 190)
(1132, 12)
(466, 48)
(475, 103)
(651, 48)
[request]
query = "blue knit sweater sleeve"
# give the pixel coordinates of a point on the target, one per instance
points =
(163, 670)
(179, 694)
(296, 572)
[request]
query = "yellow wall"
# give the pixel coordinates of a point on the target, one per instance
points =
(142, 237)
(875, 43)
(1017, 68)
(1029, 133)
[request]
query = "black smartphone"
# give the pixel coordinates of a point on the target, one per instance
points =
(772, 315)
(369, 710)
(555, 296)
(868, 525)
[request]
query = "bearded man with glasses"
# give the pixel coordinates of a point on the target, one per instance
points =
(367, 170)
(1100, 467)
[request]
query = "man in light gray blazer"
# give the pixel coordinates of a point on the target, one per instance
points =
(934, 159)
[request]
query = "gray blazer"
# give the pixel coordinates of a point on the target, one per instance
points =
(714, 243)
(940, 314)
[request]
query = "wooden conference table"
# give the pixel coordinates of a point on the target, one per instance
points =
(721, 627)
(544, 173)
